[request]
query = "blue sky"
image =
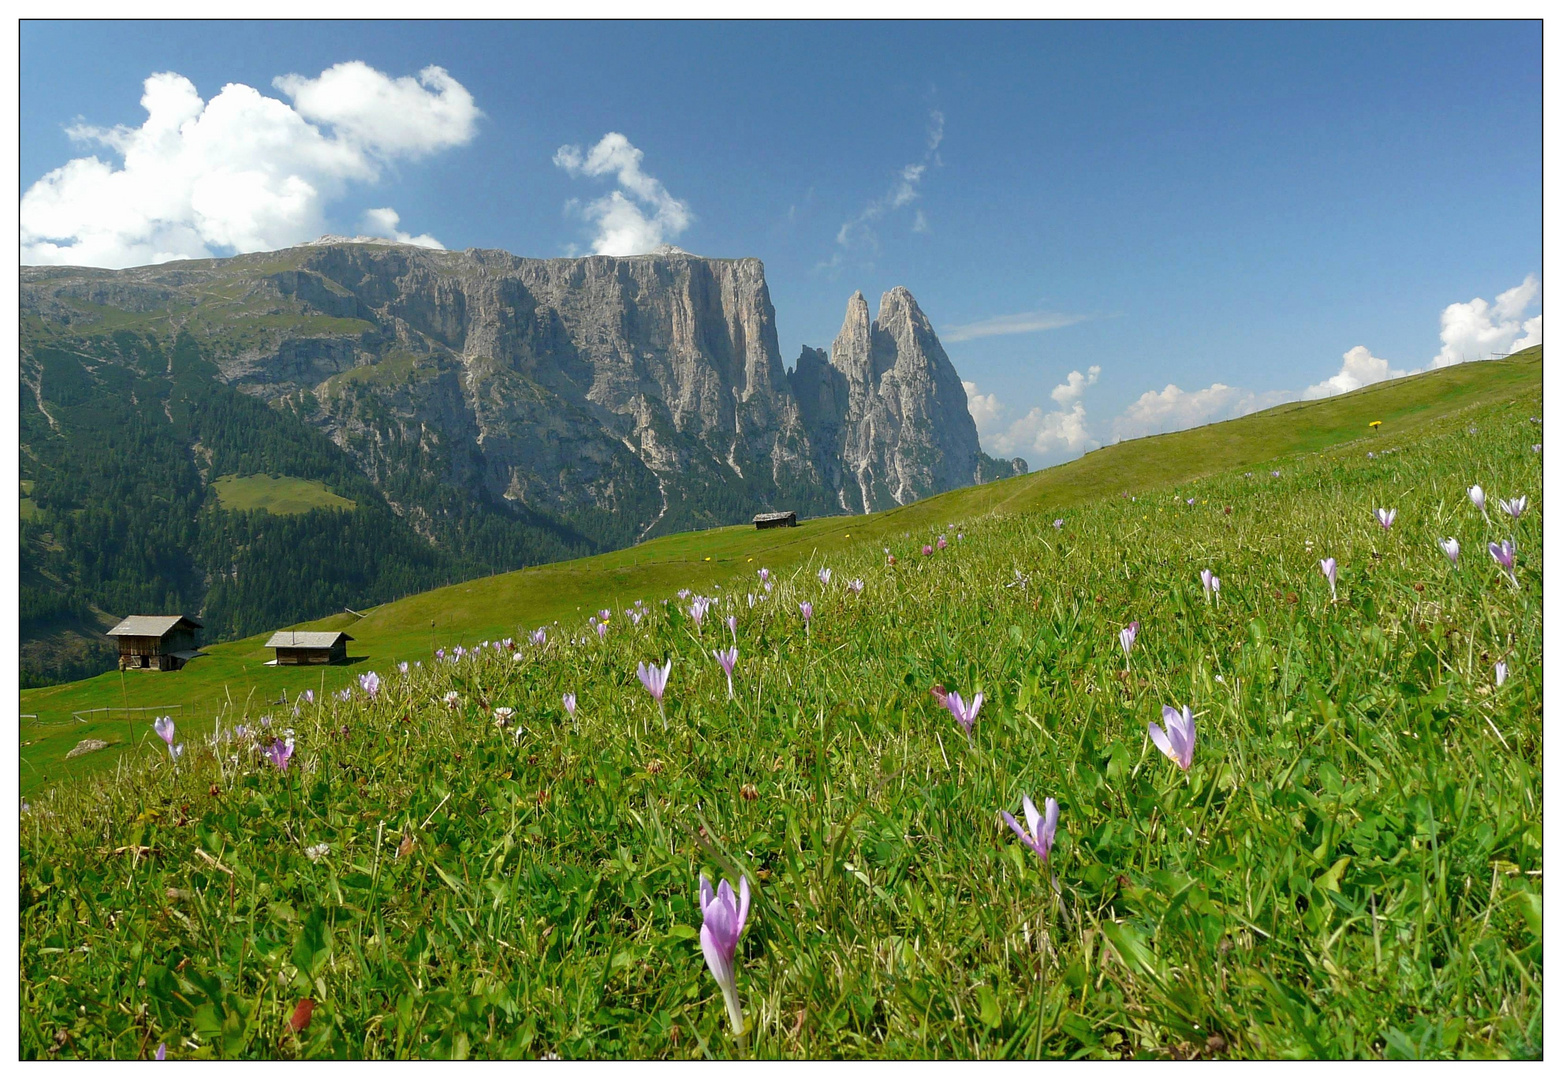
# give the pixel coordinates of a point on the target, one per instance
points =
(1225, 209)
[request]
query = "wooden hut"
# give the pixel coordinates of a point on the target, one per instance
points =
(156, 642)
(309, 646)
(786, 519)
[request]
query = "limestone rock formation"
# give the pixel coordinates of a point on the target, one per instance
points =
(617, 398)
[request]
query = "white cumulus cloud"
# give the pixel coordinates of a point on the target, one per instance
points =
(640, 214)
(383, 221)
(1043, 436)
(1172, 409)
(1476, 330)
(985, 408)
(240, 172)
(1359, 368)
(403, 117)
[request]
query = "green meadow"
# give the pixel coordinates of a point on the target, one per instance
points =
(455, 865)
(232, 681)
(276, 494)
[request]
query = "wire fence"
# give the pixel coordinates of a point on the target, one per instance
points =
(124, 712)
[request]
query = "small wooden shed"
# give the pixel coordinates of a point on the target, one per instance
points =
(156, 642)
(786, 519)
(309, 646)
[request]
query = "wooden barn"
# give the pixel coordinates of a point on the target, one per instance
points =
(156, 642)
(309, 646)
(785, 519)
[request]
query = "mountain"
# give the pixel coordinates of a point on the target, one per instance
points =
(455, 413)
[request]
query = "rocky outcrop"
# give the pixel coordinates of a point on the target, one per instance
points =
(621, 397)
(905, 431)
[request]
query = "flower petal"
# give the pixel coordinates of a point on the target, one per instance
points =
(1158, 737)
(1031, 815)
(718, 960)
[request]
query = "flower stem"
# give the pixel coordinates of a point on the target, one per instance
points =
(734, 1010)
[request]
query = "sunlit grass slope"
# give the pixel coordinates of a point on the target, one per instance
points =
(233, 681)
(277, 494)
(1351, 866)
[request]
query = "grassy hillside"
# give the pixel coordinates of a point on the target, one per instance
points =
(232, 680)
(1350, 865)
(277, 494)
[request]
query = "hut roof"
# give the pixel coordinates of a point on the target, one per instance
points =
(152, 625)
(307, 639)
(782, 515)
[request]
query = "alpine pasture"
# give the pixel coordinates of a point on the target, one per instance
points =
(497, 852)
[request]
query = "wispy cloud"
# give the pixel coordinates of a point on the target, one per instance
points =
(1026, 322)
(858, 232)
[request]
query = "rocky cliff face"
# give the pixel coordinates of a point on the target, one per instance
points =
(900, 425)
(616, 397)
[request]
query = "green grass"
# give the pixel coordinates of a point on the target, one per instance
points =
(277, 494)
(232, 678)
(1351, 867)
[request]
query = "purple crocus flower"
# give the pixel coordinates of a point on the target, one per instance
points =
(1502, 672)
(1126, 638)
(1176, 742)
(601, 631)
(635, 616)
(164, 726)
(162, 1052)
(1039, 838)
(1190, 502)
(724, 918)
(1208, 578)
(764, 575)
(309, 696)
(1057, 523)
(824, 576)
(855, 585)
(1536, 448)
(1450, 548)
(728, 659)
(402, 667)
(280, 752)
(370, 681)
(1386, 517)
(654, 679)
(539, 636)
(942, 543)
(964, 713)
(683, 594)
(1503, 553)
(605, 614)
(569, 704)
(1331, 571)
(732, 626)
(697, 610)
(1514, 508)
(1478, 497)
(808, 612)
(1275, 473)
